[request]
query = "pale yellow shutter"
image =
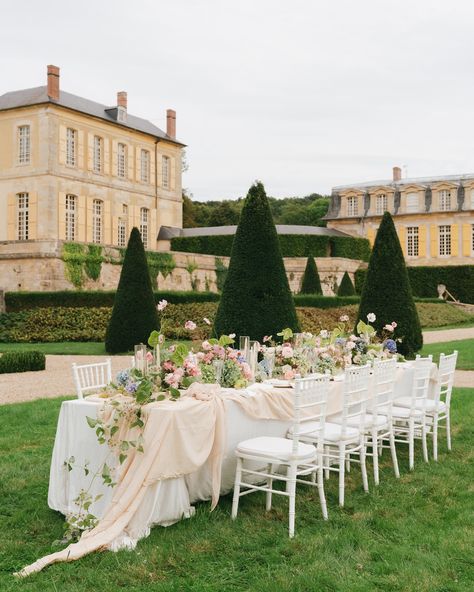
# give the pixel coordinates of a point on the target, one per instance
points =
(90, 151)
(152, 166)
(138, 167)
(467, 230)
(107, 223)
(422, 241)
(130, 158)
(62, 216)
(173, 174)
(11, 227)
(115, 220)
(114, 158)
(136, 217)
(89, 202)
(33, 216)
(454, 240)
(152, 233)
(402, 232)
(62, 144)
(371, 236)
(106, 157)
(159, 164)
(434, 240)
(81, 218)
(80, 149)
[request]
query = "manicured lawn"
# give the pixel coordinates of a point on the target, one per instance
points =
(90, 348)
(455, 326)
(465, 348)
(411, 535)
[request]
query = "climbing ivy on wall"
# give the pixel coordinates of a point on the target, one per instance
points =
(163, 263)
(82, 261)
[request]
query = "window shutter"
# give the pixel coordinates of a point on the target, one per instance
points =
(11, 226)
(33, 215)
(81, 218)
(371, 236)
(80, 149)
(454, 240)
(89, 202)
(422, 241)
(62, 144)
(173, 174)
(62, 216)
(152, 166)
(130, 158)
(152, 230)
(107, 222)
(106, 157)
(115, 220)
(466, 239)
(90, 151)
(434, 240)
(159, 164)
(402, 235)
(114, 158)
(138, 164)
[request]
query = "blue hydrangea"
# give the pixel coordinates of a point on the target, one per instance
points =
(340, 341)
(131, 387)
(122, 377)
(390, 345)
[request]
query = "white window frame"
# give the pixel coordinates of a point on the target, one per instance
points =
(352, 206)
(413, 241)
(412, 203)
(24, 144)
(165, 172)
(381, 204)
(98, 151)
(23, 215)
(70, 217)
(121, 160)
(444, 240)
(144, 222)
(122, 232)
(445, 200)
(97, 221)
(145, 166)
(71, 147)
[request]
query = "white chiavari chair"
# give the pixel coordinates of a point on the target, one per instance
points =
(91, 377)
(300, 459)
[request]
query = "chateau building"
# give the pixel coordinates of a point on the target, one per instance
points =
(434, 216)
(74, 170)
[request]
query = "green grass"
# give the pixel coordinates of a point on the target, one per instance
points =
(411, 535)
(89, 348)
(465, 348)
(465, 325)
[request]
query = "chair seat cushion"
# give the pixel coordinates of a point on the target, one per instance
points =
(402, 412)
(280, 448)
(369, 421)
(430, 404)
(332, 432)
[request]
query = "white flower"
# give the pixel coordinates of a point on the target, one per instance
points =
(344, 318)
(350, 345)
(324, 334)
(394, 325)
(371, 317)
(206, 320)
(232, 335)
(162, 304)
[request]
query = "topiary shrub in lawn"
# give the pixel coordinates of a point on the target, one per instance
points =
(311, 284)
(22, 362)
(256, 298)
(387, 292)
(134, 315)
(346, 287)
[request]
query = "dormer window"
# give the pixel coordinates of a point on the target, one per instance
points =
(445, 200)
(412, 202)
(381, 204)
(352, 206)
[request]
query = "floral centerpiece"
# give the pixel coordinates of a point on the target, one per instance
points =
(219, 362)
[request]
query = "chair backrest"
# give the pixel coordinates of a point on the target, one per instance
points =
(385, 374)
(311, 395)
(356, 396)
(446, 369)
(90, 377)
(421, 381)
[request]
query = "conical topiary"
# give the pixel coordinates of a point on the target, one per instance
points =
(311, 284)
(256, 298)
(387, 291)
(346, 288)
(134, 315)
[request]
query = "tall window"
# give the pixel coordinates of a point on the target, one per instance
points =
(24, 144)
(444, 200)
(121, 160)
(381, 204)
(412, 202)
(98, 152)
(445, 240)
(144, 212)
(352, 206)
(71, 217)
(412, 241)
(71, 146)
(122, 232)
(97, 207)
(165, 171)
(145, 166)
(23, 216)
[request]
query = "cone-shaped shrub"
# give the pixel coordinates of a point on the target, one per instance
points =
(387, 291)
(346, 287)
(256, 298)
(311, 284)
(134, 315)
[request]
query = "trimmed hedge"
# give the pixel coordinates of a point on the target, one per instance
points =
(18, 301)
(317, 301)
(311, 283)
(22, 362)
(346, 287)
(292, 245)
(458, 279)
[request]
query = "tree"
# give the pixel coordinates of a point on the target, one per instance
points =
(346, 288)
(256, 298)
(311, 284)
(387, 291)
(134, 315)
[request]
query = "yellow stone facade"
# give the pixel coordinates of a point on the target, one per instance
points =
(100, 197)
(434, 217)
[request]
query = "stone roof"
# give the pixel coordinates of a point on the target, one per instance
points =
(39, 96)
(457, 179)
(169, 232)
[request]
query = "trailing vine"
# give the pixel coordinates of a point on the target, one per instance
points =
(163, 263)
(191, 267)
(82, 260)
(93, 262)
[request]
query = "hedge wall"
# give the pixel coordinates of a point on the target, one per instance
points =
(17, 301)
(292, 245)
(458, 279)
(22, 362)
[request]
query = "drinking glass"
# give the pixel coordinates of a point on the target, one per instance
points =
(253, 357)
(244, 346)
(218, 368)
(269, 357)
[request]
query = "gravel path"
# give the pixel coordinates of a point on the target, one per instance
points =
(448, 335)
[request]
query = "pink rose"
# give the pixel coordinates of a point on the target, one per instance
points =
(289, 374)
(206, 346)
(394, 325)
(169, 378)
(287, 351)
(149, 357)
(246, 371)
(267, 338)
(389, 327)
(190, 325)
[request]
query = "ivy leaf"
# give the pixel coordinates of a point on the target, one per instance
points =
(92, 422)
(124, 445)
(286, 334)
(154, 339)
(122, 457)
(114, 429)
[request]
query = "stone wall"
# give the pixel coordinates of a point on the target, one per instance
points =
(37, 266)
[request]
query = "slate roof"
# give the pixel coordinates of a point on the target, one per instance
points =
(407, 181)
(39, 96)
(169, 232)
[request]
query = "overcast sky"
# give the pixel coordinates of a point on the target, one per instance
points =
(302, 94)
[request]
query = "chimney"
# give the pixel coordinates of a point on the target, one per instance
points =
(397, 174)
(171, 123)
(122, 99)
(53, 83)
